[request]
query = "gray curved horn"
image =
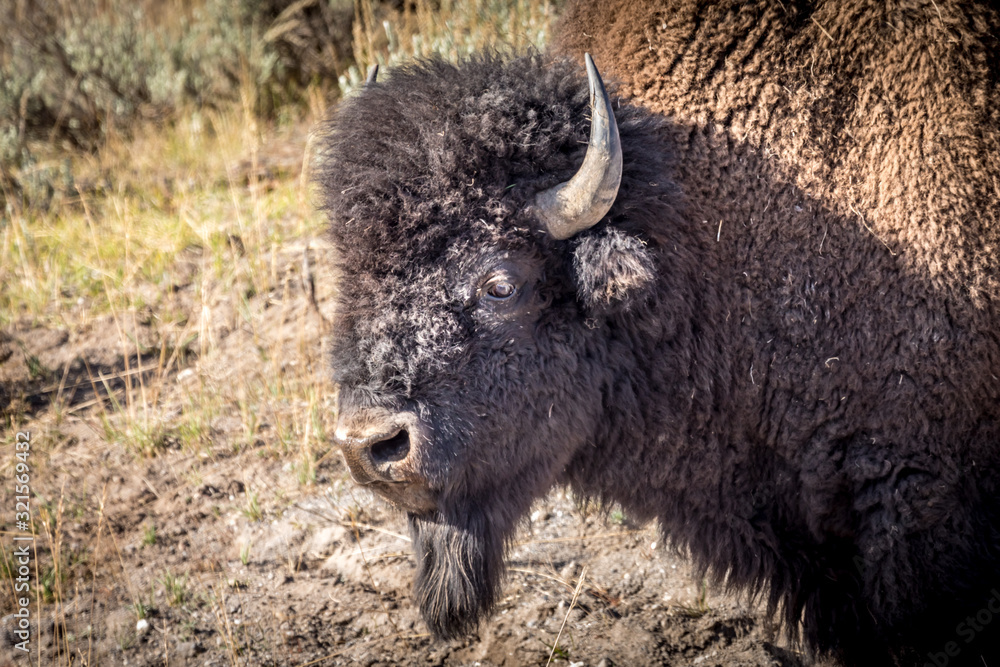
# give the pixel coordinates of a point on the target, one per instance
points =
(580, 202)
(372, 74)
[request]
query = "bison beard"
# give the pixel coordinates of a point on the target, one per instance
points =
(459, 571)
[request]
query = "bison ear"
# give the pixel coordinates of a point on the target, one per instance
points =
(614, 271)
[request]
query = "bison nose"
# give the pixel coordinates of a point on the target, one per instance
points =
(384, 451)
(378, 456)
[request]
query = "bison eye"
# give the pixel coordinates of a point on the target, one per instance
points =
(501, 289)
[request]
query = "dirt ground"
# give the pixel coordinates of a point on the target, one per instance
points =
(235, 552)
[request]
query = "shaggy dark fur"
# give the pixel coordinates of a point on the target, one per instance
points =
(783, 341)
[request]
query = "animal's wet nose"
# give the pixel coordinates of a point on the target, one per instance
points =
(376, 452)
(390, 450)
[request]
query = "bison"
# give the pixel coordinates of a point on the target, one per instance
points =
(760, 304)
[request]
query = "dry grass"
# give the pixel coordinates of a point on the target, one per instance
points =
(187, 267)
(118, 258)
(452, 29)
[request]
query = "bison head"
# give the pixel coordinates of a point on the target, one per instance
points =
(485, 269)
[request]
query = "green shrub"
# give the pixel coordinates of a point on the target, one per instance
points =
(71, 73)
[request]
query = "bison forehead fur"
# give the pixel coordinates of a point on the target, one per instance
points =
(782, 342)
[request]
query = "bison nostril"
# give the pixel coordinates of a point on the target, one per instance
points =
(391, 450)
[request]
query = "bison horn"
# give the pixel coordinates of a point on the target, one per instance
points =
(580, 202)
(372, 74)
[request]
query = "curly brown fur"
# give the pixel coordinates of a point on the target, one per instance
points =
(783, 341)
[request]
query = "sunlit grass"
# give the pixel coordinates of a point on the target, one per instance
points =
(451, 29)
(105, 252)
(54, 263)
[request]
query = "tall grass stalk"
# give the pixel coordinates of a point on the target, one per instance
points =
(451, 29)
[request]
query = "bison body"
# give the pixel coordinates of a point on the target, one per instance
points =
(782, 341)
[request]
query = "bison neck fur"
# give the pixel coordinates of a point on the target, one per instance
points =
(783, 342)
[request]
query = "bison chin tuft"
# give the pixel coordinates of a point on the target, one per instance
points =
(459, 572)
